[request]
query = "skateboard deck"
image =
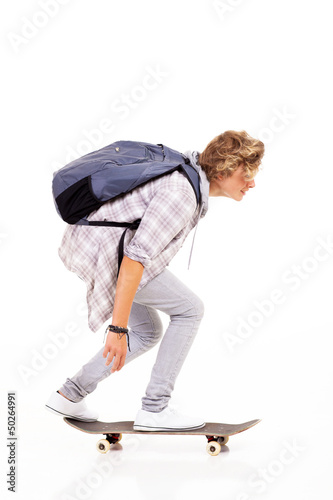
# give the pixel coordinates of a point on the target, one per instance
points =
(217, 434)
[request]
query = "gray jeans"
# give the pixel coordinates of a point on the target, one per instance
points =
(169, 295)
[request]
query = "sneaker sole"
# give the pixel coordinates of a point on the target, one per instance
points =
(70, 416)
(166, 429)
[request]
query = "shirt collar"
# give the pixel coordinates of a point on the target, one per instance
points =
(193, 156)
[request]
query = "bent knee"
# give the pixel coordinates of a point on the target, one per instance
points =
(196, 308)
(158, 333)
(200, 307)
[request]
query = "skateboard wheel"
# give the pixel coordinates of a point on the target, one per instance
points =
(222, 440)
(213, 448)
(103, 445)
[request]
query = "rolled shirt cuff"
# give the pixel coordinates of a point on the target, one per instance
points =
(138, 254)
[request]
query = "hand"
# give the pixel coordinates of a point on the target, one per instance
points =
(115, 349)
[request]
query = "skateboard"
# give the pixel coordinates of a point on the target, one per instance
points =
(217, 434)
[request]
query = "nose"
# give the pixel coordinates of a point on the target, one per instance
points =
(251, 184)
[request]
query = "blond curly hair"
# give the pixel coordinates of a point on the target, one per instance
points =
(226, 152)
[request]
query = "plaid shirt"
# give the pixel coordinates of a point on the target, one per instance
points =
(168, 209)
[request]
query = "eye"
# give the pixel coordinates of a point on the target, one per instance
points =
(250, 176)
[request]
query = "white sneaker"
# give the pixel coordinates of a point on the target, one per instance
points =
(166, 420)
(62, 406)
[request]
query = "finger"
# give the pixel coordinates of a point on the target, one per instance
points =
(122, 362)
(110, 358)
(116, 363)
(107, 349)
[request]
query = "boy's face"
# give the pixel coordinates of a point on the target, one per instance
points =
(233, 187)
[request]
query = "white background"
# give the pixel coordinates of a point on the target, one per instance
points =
(72, 67)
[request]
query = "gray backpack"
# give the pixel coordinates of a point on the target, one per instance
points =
(85, 184)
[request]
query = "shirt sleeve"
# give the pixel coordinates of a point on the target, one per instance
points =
(166, 215)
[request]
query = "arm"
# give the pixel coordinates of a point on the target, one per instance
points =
(167, 214)
(130, 275)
